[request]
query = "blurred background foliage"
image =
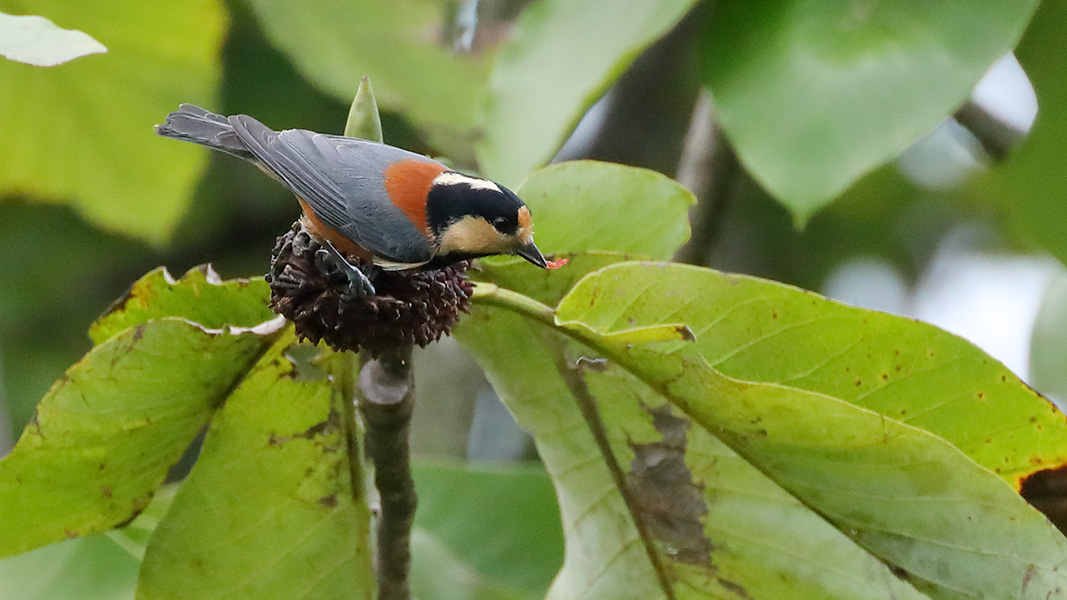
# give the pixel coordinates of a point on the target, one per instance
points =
(844, 147)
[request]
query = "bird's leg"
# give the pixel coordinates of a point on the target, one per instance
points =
(359, 286)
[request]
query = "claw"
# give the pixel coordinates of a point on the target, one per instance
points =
(359, 286)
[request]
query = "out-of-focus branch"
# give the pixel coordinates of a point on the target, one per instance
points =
(709, 168)
(996, 136)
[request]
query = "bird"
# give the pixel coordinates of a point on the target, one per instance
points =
(370, 202)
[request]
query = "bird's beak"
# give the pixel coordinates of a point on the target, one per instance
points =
(532, 254)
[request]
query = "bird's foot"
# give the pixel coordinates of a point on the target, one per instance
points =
(357, 286)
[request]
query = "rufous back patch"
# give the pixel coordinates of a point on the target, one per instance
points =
(343, 245)
(407, 183)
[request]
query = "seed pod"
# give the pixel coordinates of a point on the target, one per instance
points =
(409, 307)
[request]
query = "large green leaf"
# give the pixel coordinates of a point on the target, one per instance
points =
(763, 543)
(484, 532)
(37, 41)
(105, 435)
(944, 522)
(90, 568)
(394, 42)
(589, 205)
(815, 94)
(82, 133)
(601, 560)
(759, 330)
(562, 56)
(199, 296)
(1029, 184)
(270, 510)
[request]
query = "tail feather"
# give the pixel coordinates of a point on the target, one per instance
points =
(194, 124)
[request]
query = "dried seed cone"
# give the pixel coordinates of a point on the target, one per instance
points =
(410, 307)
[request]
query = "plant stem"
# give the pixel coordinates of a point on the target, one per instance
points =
(491, 294)
(388, 393)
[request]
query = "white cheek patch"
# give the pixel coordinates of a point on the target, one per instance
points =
(453, 178)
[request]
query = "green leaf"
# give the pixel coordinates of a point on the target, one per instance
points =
(561, 58)
(484, 532)
(758, 330)
(1048, 343)
(90, 568)
(83, 134)
(199, 296)
(105, 435)
(439, 574)
(393, 42)
(589, 205)
(269, 510)
(911, 498)
(764, 543)
(815, 94)
(1029, 184)
(37, 41)
(133, 536)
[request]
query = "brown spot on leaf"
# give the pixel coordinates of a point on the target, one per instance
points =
(317, 429)
(330, 425)
(70, 535)
(1046, 491)
(328, 501)
(663, 489)
(105, 491)
(736, 588)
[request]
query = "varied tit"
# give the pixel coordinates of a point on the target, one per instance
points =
(372, 202)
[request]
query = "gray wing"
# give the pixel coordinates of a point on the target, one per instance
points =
(341, 180)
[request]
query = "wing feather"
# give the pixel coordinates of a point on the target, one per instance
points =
(341, 180)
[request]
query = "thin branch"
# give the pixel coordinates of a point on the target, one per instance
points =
(709, 168)
(996, 137)
(388, 391)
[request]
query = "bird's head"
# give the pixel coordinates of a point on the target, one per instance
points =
(472, 217)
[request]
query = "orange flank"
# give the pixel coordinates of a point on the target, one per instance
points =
(407, 183)
(321, 230)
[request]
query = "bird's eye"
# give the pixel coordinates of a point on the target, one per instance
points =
(501, 224)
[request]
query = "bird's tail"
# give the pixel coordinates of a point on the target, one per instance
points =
(194, 124)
